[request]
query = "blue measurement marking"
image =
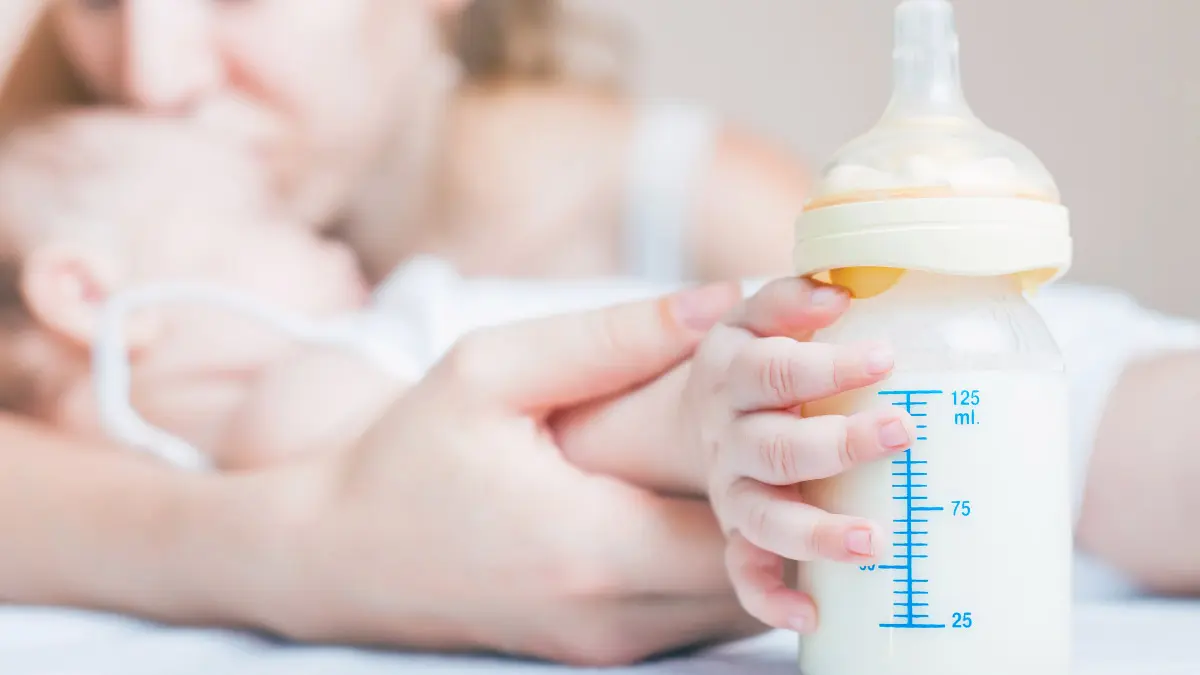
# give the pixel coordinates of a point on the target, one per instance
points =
(908, 492)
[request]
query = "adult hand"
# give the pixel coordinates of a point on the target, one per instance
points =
(457, 524)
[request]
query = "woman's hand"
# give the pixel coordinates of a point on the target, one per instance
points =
(457, 524)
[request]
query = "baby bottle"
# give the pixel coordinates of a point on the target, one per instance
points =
(939, 227)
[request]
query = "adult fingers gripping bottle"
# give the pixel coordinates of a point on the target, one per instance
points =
(938, 226)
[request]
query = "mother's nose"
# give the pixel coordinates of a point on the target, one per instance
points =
(171, 60)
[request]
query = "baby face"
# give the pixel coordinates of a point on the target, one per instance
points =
(177, 207)
(193, 374)
(280, 264)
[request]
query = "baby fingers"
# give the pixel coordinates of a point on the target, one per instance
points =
(782, 449)
(780, 373)
(757, 578)
(776, 520)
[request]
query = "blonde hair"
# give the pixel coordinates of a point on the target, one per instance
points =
(40, 78)
(503, 41)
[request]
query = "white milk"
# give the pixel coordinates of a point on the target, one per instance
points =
(974, 578)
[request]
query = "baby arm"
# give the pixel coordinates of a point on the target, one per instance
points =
(321, 399)
(1140, 505)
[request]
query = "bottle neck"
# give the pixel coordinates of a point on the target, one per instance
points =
(947, 290)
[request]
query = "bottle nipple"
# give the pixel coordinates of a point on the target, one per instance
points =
(929, 143)
(926, 81)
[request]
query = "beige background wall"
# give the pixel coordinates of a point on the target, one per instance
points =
(1107, 92)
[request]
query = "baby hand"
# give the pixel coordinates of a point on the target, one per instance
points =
(742, 404)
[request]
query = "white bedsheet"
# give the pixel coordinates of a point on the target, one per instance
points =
(1126, 638)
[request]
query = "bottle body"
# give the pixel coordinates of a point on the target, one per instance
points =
(974, 573)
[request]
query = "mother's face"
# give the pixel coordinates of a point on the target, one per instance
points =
(329, 80)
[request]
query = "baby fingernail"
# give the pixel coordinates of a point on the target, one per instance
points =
(859, 542)
(827, 296)
(880, 360)
(894, 436)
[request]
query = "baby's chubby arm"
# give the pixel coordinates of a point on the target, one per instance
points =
(320, 399)
(1140, 506)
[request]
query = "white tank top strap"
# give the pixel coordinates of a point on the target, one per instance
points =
(672, 144)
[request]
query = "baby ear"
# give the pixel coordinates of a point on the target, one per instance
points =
(66, 287)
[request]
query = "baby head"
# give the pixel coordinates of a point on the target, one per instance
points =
(84, 220)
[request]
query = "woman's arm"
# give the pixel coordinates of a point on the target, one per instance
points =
(88, 526)
(1143, 489)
